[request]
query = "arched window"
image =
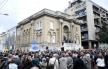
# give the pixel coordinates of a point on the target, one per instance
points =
(66, 34)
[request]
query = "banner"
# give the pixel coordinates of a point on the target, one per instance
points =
(34, 46)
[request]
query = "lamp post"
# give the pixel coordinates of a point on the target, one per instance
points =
(4, 14)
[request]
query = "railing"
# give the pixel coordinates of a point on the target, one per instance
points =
(95, 16)
(84, 29)
(96, 11)
(98, 25)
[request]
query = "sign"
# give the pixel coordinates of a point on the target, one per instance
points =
(71, 46)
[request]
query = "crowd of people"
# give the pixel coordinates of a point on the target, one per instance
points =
(80, 59)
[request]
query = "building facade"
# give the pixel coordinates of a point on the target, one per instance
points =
(92, 17)
(8, 39)
(3, 41)
(11, 38)
(48, 28)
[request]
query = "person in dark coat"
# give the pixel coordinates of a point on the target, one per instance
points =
(4, 62)
(17, 61)
(36, 62)
(79, 64)
(26, 63)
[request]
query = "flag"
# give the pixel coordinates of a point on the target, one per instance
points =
(34, 46)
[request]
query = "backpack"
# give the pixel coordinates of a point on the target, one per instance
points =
(51, 66)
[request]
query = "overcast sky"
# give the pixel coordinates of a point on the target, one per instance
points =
(21, 9)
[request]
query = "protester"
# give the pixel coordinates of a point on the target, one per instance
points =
(69, 61)
(79, 64)
(35, 61)
(63, 61)
(80, 59)
(12, 65)
(44, 63)
(106, 60)
(100, 61)
(87, 60)
(53, 61)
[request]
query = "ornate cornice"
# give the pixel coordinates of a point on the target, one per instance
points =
(55, 14)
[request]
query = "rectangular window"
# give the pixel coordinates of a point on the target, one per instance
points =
(51, 25)
(53, 39)
(39, 25)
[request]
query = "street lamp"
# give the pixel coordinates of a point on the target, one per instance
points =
(4, 14)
